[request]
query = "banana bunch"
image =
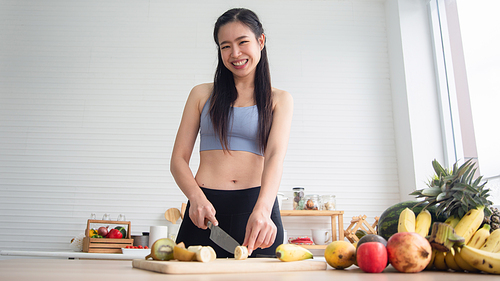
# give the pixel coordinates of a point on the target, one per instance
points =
(480, 251)
(409, 223)
(485, 258)
(442, 241)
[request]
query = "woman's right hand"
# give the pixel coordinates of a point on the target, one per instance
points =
(201, 211)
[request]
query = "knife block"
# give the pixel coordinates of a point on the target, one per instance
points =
(106, 245)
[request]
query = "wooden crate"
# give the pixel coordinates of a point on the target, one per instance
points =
(106, 245)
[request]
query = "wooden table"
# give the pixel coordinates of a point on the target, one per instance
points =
(85, 270)
(337, 221)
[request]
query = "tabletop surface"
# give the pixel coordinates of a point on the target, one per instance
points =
(20, 269)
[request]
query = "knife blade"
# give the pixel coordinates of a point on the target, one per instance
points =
(221, 238)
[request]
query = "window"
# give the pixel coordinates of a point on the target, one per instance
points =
(466, 41)
(479, 24)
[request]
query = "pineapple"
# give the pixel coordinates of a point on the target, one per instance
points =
(454, 192)
(493, 220)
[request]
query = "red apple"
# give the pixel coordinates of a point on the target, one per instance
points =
(408, 252)
(372, 257)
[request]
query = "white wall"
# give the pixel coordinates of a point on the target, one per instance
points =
(91, 94)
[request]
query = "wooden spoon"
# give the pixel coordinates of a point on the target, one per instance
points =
(172, 215)
(183, 210)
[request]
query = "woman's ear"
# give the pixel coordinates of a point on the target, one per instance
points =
(262, 41)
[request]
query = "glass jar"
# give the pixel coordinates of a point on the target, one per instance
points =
(298, 198)
(312, 202)
(328, 203)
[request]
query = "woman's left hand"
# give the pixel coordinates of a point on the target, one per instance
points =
(260, 232)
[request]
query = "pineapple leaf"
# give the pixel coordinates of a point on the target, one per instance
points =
(464, 209)
(461, 212)
(464, 187)
(440, 171)
(432, 191)
(416, 192)
(441, 196)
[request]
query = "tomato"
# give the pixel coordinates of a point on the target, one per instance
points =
(140, 247)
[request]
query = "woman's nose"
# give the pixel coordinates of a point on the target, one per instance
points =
(236, 52)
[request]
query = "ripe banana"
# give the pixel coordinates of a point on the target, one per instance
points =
(292, 252)
(476, 242)
(461, 262)
(469, 224)
(406, 221)
(479, 238)
(449, 258)
(423, 223)
(439, 261)
(492, 244)
(452, 220)
(430, 265)
(482, 260)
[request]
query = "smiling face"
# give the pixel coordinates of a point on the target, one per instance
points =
(240, 49)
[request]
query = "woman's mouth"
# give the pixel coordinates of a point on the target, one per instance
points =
(239, 63)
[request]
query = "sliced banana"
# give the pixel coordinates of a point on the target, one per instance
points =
(203, 254)
(213, 254)
(241, 253)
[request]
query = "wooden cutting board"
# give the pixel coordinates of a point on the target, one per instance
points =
(228, 266)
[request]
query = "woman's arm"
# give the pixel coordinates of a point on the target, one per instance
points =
(261, 231)
(200, 208)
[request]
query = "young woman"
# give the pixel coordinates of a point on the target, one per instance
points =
(244, 126)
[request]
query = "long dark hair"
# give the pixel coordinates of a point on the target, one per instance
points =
(224, 92)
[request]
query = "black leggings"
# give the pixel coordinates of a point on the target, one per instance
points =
(233, 208)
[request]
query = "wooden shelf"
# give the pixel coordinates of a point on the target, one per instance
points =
(314, 247)
(310, 213)
(337, 221)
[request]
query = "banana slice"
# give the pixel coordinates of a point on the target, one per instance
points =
(213, 254)
(202, 253)
(241, 253)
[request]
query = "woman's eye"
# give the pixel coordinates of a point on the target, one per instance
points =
(224, 47)
(243, 42)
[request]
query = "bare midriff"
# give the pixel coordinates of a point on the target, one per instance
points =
(229, 171)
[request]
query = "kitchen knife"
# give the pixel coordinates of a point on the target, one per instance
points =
(222, 239)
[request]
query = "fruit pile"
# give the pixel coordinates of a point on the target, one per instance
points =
(452, 229)
(118, 232)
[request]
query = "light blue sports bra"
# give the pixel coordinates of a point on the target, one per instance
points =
(242, 133)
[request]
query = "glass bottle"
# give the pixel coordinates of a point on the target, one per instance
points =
(328, 203)
(298, 198)
(312, 202)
